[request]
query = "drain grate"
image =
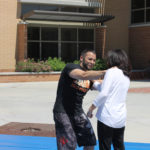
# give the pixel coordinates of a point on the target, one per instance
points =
(29, 129)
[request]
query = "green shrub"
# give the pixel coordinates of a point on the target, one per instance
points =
(29, 65)
(76, 62)
(56, 63)
(52, 64)
(100, 64)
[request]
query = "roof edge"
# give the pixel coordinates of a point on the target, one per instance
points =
(63, 2)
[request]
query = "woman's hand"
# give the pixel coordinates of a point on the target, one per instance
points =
(89, 114)
(90, 111)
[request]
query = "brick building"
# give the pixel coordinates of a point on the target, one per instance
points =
(130, 30)
(62, 28)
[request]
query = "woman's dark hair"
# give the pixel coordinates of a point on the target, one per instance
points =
(119, 58)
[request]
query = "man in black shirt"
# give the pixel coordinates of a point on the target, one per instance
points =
(72, 125)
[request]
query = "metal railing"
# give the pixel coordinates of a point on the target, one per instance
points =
(100, 4)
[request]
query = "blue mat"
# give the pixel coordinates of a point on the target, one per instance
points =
(15, 142)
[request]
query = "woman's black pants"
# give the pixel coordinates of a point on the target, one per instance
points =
(108, 135)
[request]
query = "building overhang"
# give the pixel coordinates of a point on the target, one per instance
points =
(66, 16)
(78, 3)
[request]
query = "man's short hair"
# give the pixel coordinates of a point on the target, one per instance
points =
(83, 53)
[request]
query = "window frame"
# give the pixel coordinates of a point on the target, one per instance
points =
(145, 8)
(59, 41)
(25, 7)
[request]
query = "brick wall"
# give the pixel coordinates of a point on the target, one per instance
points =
(139, 47)
(35, 77)
(29, 77)
(8, 32)
(100, 41)
(117, 35)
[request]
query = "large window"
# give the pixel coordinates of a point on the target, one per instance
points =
(140, 11)
(42, 42)
(67, 43)
(25, 8)
(29, 7)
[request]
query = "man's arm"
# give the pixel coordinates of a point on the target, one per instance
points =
(86, 75)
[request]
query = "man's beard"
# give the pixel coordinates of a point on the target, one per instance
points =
(85, 67)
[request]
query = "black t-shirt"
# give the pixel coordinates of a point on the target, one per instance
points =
(70, 92)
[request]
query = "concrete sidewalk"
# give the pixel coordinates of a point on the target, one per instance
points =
(32, 102)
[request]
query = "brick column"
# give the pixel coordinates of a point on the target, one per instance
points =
(100, 41)
(21, 42)
(139, 47)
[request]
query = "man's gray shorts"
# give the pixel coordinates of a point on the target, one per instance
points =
(73, 130)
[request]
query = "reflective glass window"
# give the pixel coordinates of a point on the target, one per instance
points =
(66, 43)
(33, 33)
(148, 3)
(86, 10)
(33, 50)
(86, 35)
(136, 4)
(137, 16)
(69, 52)
(49, 50)
(49, 34)
(25, 8)
(148, 15)
(49, 8)
(69, 9)
(68, 34)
